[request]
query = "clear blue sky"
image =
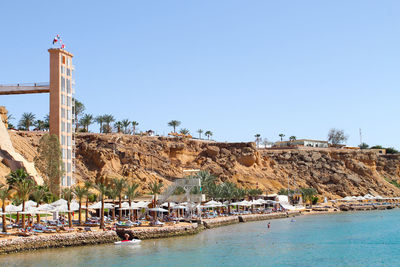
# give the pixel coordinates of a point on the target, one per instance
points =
(236, 68)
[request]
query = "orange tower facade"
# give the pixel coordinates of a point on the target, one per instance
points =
(62, 108)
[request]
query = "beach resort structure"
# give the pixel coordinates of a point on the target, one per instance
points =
(302, 143)
(61, 89)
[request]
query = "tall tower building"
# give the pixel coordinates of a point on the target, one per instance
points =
(62, 108)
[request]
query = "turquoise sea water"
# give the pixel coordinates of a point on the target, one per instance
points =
(346, 239)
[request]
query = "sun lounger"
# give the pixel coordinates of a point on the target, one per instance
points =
(4, 234)
(88, 229)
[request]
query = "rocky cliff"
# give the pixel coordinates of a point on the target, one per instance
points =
(334, 173)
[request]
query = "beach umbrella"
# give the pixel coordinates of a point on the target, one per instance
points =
(45, 207)
(59, 202)
(158, 210)
(12, 209)
(212, 202)
(30, 203)
(180, 207)
(142, 204)
(124, 205)
(97, 206)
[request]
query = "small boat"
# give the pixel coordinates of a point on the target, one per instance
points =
(128, 242)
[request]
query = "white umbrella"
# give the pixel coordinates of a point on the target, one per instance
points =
(45, 207)
(59, 202)
(97, 206)
(212, 202)
(179, 207)
(259, 201)
(30, 203)
(11, 208)
(124, 205)
(64, 208)
(158, 210)
(243, 203)
(142, 204)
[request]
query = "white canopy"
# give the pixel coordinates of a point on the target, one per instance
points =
(124, 205)
(97, 206)
(45, 207)
(158, 210)
(243, 203)
(212, 202)
(258, 202)
(59, 202)
(12, 208)
(30, 203)
(142, 204)
(32, 210)
(180, 207)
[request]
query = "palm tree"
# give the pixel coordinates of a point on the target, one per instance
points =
(80, 192)
(108, 119)
(118, 126)
(208, 134)
(184, 131)
(4, 195)
(88, 185)
(17, 176)
(131, 192)
(119, 185)
(102, 189)
(174, 124)
(229, 191)
(47, 122)
(281, 136)
(100, 120)
(27, 120)
(68, 195)
(199, 131)
(40, 125)
(112, 193)
(134, 124)
(23, 188)
(155, 189)
(292, 138)
(38, 195)
(86, 121)
(125, 126)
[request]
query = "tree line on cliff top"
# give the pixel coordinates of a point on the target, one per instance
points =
(107, 123)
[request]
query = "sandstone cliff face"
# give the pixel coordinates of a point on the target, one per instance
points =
(334, 173)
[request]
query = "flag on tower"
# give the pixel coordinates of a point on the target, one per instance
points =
(57, 39)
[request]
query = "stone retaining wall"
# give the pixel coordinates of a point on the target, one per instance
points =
(56, 240)
(222, 221)
(261, 217)
(161, 232)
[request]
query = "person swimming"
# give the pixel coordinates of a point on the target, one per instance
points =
(269, 225)
(126, 237)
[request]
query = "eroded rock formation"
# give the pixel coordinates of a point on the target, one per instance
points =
(334, 173)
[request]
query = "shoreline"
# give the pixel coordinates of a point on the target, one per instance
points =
(60, 240)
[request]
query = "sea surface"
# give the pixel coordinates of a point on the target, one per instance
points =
(347, 239)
